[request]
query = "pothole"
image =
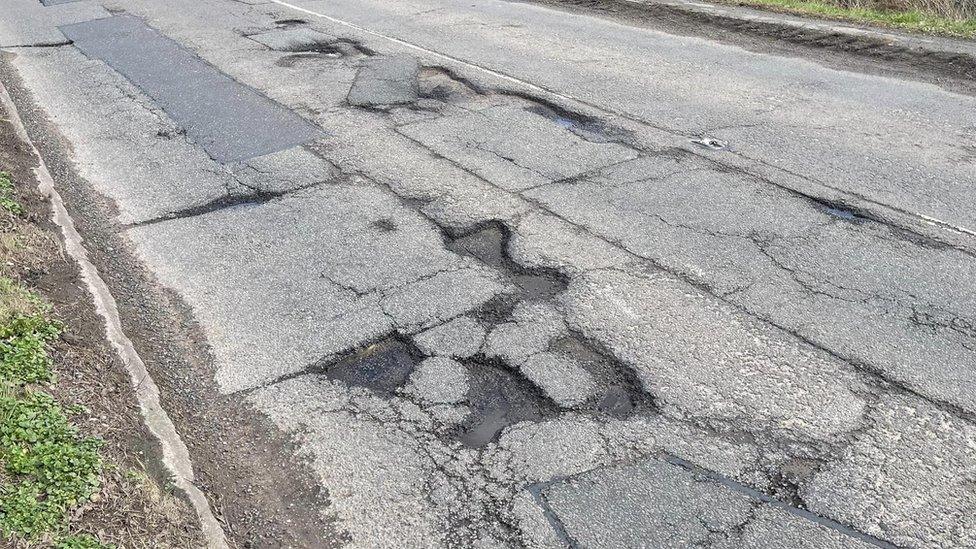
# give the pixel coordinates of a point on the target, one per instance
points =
(497, 310)
(584, 127)
(384, 225)
(326, 48)
(443, 84)
(489, 244)
(316, 50)
(621, 394)
(381, 367)
(290, 23)
(497, 399)
(839, 212)
(787, 490)
(294, 59)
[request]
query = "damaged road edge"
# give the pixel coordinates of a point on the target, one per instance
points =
(176, 457)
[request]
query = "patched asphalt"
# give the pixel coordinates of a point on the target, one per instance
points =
(217, 112)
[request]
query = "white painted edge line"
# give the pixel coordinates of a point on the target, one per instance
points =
(176, 456)
(546, 91)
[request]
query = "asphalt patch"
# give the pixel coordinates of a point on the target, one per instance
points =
(232, 122)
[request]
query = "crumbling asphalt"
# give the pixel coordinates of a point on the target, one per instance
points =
(503, 296)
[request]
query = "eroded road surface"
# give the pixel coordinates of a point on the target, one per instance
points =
(504, 275)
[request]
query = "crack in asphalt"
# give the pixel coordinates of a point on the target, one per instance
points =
(230, 200)
(551, 517)
(536, 88)
(773, 502)
(711, 290)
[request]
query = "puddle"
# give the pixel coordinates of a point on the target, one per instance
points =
(711, 143)
(615, 402)
(489, 245)
(540, 286)
(381, 367)
(841, 213)
(589, 129)
(498, 399)
(486, 244)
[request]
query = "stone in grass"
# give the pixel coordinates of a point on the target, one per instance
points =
(564, 380)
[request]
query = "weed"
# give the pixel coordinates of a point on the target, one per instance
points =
(25, 331)
(47, 466)
(7, 200)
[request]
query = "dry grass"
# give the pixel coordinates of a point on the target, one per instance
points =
(953, 10)
(956, 18)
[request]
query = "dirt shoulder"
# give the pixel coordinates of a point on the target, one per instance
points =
(948, 63)
(261, 491)
(131, 503)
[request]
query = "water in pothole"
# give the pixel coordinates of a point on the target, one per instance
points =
(381, 367)
(489, 245)
(497, 399)
(287, 23)
(841, 213)
(589, 129)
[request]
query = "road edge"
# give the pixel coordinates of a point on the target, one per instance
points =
(175, 455)
(955, 58)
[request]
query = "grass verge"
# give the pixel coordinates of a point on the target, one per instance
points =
(47, 467)
(78, 467)
(914, 20)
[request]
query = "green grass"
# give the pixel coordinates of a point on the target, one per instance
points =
(913, 20)
(7, 200)
(48, 467)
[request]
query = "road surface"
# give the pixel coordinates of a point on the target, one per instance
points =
(495, 274)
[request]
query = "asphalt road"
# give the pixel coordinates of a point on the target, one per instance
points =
(513, 276)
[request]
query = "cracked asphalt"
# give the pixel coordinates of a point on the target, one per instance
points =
(477, 267)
